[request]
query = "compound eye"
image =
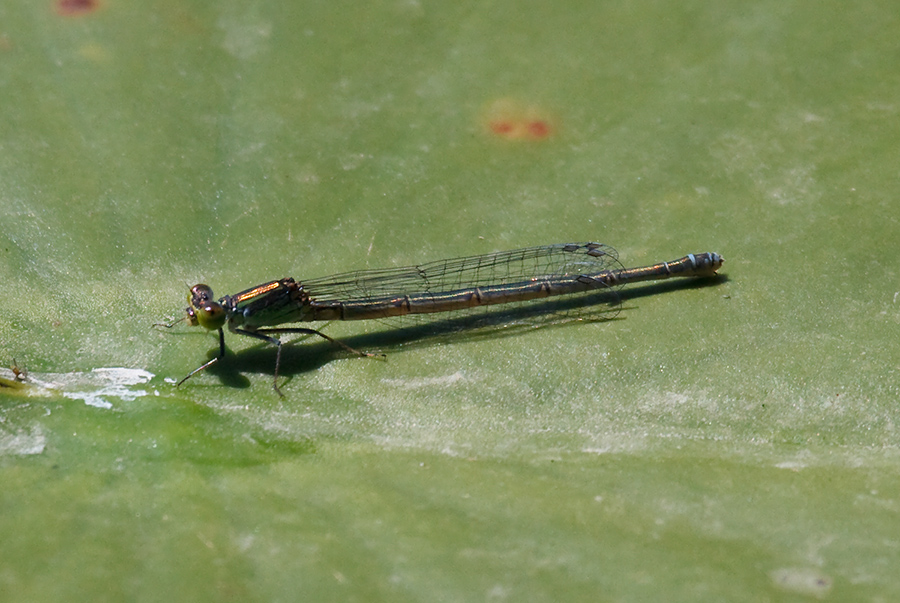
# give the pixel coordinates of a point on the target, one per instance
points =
(211, 315)
(199, 295)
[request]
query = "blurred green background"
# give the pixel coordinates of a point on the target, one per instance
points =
(729, 442)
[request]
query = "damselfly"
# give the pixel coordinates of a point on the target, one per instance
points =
(444, 286)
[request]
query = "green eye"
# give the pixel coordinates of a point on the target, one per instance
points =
(211, 315)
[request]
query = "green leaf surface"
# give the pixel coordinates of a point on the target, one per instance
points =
(729, 440)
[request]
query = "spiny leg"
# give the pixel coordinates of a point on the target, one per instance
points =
(211, 362)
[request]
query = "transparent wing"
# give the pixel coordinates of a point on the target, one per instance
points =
(502, 268)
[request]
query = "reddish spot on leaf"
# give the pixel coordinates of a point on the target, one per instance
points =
(511, 119)
(74, 8)
(539, 129)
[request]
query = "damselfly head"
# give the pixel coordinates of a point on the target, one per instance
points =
(203, 310)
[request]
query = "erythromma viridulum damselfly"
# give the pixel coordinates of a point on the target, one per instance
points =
(443, 286)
